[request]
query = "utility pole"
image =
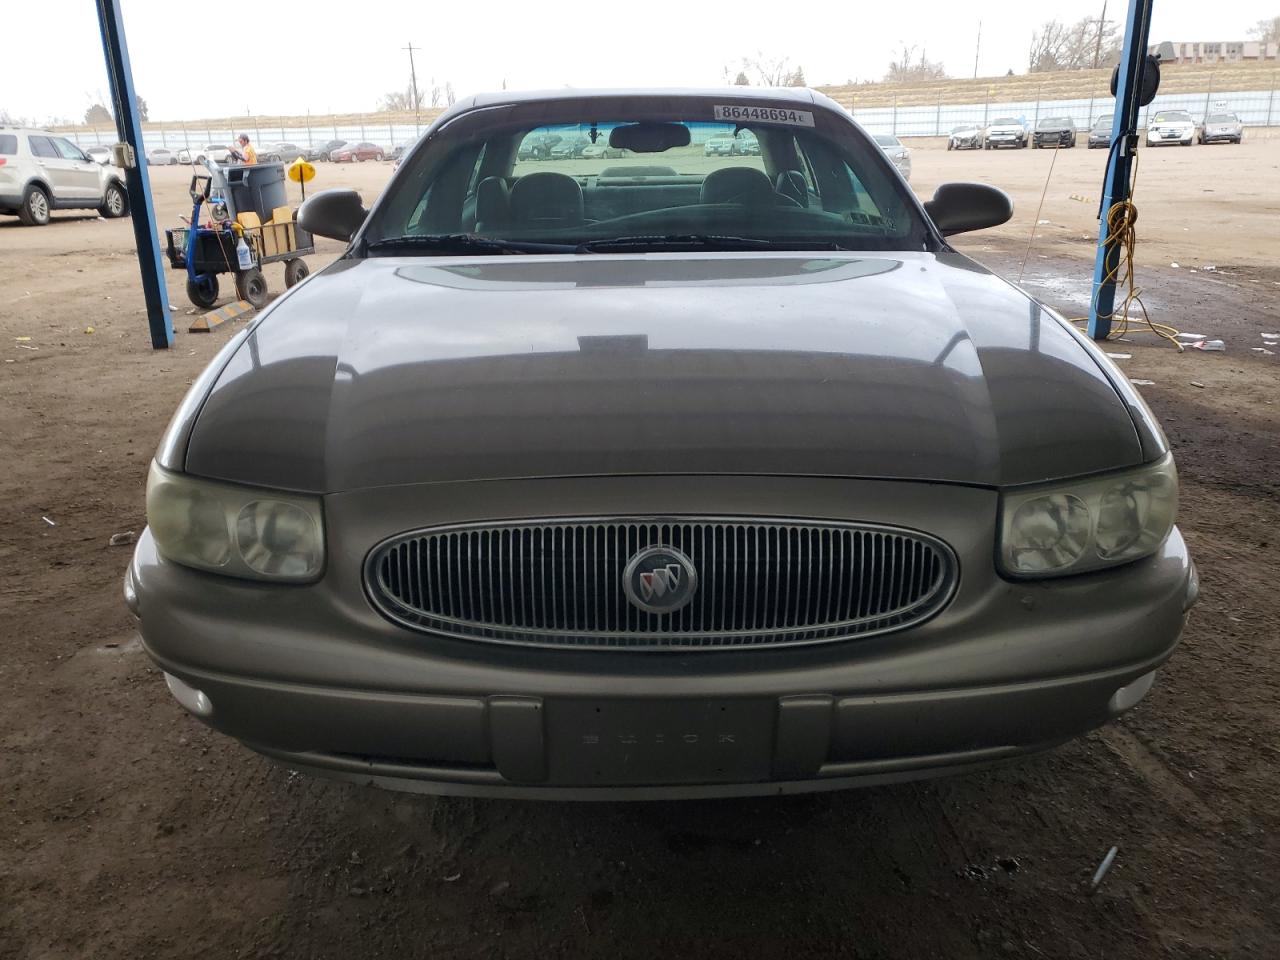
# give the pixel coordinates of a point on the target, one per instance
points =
(413, 76)
(1102, 25)
(977, 48)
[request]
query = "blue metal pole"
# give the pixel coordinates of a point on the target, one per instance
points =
(1124, 141)
(137, 183)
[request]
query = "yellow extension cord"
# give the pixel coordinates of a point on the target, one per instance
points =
(1122, 219)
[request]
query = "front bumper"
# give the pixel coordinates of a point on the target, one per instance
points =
(1156, 139)
(314, 677)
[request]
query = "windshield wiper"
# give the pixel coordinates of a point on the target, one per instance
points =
(700, 241)
(463, 243)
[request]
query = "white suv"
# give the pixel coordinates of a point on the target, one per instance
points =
(41, 172)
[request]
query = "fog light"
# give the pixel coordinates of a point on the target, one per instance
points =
(1128, 696)
(194, 700)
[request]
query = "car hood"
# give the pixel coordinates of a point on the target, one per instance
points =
(1011, 128)
(408, 370)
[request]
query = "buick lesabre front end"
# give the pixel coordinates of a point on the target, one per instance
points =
(714, 476)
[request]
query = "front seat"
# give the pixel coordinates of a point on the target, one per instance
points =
(737, 185)
(493, 205)
(546, 200)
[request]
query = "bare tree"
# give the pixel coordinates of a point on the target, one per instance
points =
(742, 80)
(401, 101)
(1062, 46)
(909, 67)
(796, 79)
(435, 93)
(1267, 31)
(449, 98)
(770, 71)
(98, 114)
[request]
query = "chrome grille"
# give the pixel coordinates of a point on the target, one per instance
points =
(761, 582)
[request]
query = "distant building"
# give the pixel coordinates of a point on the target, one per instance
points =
(1235, 51)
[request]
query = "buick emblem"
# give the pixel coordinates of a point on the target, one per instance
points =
(660, 579)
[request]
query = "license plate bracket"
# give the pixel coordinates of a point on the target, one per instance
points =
(633, 742)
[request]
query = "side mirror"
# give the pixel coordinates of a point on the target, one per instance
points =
(336, 214)
(960, 207)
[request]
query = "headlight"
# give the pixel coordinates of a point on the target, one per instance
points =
(1065, 528)
(233, 530)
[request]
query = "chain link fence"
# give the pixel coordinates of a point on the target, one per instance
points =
(1256, 108)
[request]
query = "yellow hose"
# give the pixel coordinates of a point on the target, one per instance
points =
(1122, 219)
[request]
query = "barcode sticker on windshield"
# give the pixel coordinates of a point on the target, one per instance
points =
(796, 118)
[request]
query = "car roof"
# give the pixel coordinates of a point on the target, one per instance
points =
(796, 96)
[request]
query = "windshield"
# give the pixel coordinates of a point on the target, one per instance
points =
(1006, 122)
(1222, 118)
(491, 178)
(1172, 116)
(887, 141)
(1055, 124)
(1103, 121)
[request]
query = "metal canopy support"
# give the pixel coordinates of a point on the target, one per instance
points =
(1115, 187)
(137, 183)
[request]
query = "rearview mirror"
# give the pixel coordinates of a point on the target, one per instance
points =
(336, 214)
(960, 207)
(649, 137)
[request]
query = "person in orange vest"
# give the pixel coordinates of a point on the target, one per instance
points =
(246, 153)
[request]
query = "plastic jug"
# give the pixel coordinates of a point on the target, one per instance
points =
(244, 255)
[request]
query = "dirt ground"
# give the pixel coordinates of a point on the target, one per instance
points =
(129, 830)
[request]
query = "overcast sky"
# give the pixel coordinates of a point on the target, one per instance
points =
(195, 60)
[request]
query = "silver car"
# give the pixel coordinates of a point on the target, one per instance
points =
(897, 152)
(1222, 128)
(965, 136)
(733, 480)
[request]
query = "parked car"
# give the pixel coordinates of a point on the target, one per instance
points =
(1222, 128)
(896, 151)
(325, 149)
(1005, 132)
(537, 147)
(161, 157)
(357, 153)
(600, 150)
(281, 153)
(98, 153)
(1171, 127)
(217, 152)
(1054, 132)
(41, 172)
(1100, 132)
(747, 144)
(571, 148)
(397, 152)
(720, 147)
(965, 136)
(708, 493)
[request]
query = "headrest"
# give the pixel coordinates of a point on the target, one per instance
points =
(737, 185)
(551, 198)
